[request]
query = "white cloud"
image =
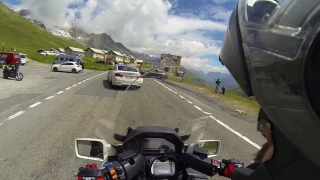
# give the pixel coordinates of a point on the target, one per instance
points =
(141, 25)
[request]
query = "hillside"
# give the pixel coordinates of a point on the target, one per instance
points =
(189, 76)
(27, 37)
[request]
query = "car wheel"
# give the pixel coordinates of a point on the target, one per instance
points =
(138, 87)
(74, 71)
(55, 69)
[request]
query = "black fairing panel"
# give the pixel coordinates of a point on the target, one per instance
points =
(232, 55)
(156, 132)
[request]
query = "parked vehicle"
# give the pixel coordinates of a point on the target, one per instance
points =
(65, 57)
(50, 53)
(40, 51)
(10, 58)
(12, 71)
(23, 58)
(68, 66)
(122, 75)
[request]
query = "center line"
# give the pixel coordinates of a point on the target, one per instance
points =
(74, 85)
(59, 92)
(189, 102)
(68, 88)
(16, 115)
(50, 97)
(79, 82)
(35, 104)
(198, 108)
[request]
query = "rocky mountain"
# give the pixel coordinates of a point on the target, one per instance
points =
(27, 14)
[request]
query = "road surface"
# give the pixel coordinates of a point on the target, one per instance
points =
(39, 123)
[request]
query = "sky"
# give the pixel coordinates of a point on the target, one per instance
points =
(193, 29)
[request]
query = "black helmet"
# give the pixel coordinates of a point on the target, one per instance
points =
(272, 49)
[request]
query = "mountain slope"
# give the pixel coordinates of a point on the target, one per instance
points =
(27, 37)
(104, 41)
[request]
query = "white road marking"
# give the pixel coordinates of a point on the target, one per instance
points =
(68, 88)
(197, 108)
(59, 92)
(74, 85)
(220, 122)
(16, 115)
(80, 83)
(181, 97)
(236, 133)
(206, 112)
(35, 104)
(50, 97)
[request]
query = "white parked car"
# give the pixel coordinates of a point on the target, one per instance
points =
(23, 58)
(68, 66)
(123, 75)
(50, 53)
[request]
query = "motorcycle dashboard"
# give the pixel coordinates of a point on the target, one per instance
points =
(146, 145)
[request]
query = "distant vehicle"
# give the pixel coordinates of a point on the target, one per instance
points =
(50, 53)
(23, 58)
(159, 74)
(40, 51)
(67, 67)
(124, 76)
(65, 57)
(9, 58)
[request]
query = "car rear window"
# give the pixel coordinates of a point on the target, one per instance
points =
(3, 55)
(61, 59)
(16, 56)
(22, 56)
(125, 68)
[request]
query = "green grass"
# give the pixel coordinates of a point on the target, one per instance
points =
(144, 66)
(27, 37)
(230, 96)
(90, 63)
(18, 32)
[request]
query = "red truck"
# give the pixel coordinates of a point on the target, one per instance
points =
(9, 58)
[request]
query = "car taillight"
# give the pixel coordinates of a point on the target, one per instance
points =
(118, 75)
(140, 76)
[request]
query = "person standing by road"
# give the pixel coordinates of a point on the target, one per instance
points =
(218, 82)
(223, 90)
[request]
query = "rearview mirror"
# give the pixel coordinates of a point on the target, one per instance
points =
(93, 149)
(212, 146)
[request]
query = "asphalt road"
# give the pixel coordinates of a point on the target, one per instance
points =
(39, 123)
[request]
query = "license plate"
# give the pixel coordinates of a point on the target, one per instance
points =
(130, 77)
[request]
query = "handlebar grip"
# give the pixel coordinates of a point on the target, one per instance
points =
(207, 166)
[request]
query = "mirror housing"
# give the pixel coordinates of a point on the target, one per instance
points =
(83, 148)
(212, 146)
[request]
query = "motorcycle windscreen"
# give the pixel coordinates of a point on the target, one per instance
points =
(156, 103)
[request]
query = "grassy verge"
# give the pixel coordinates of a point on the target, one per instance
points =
(229, 97)
(144, 66)
(90, 63)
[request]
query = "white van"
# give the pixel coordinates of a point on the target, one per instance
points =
(65, 57)
(23, 58)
